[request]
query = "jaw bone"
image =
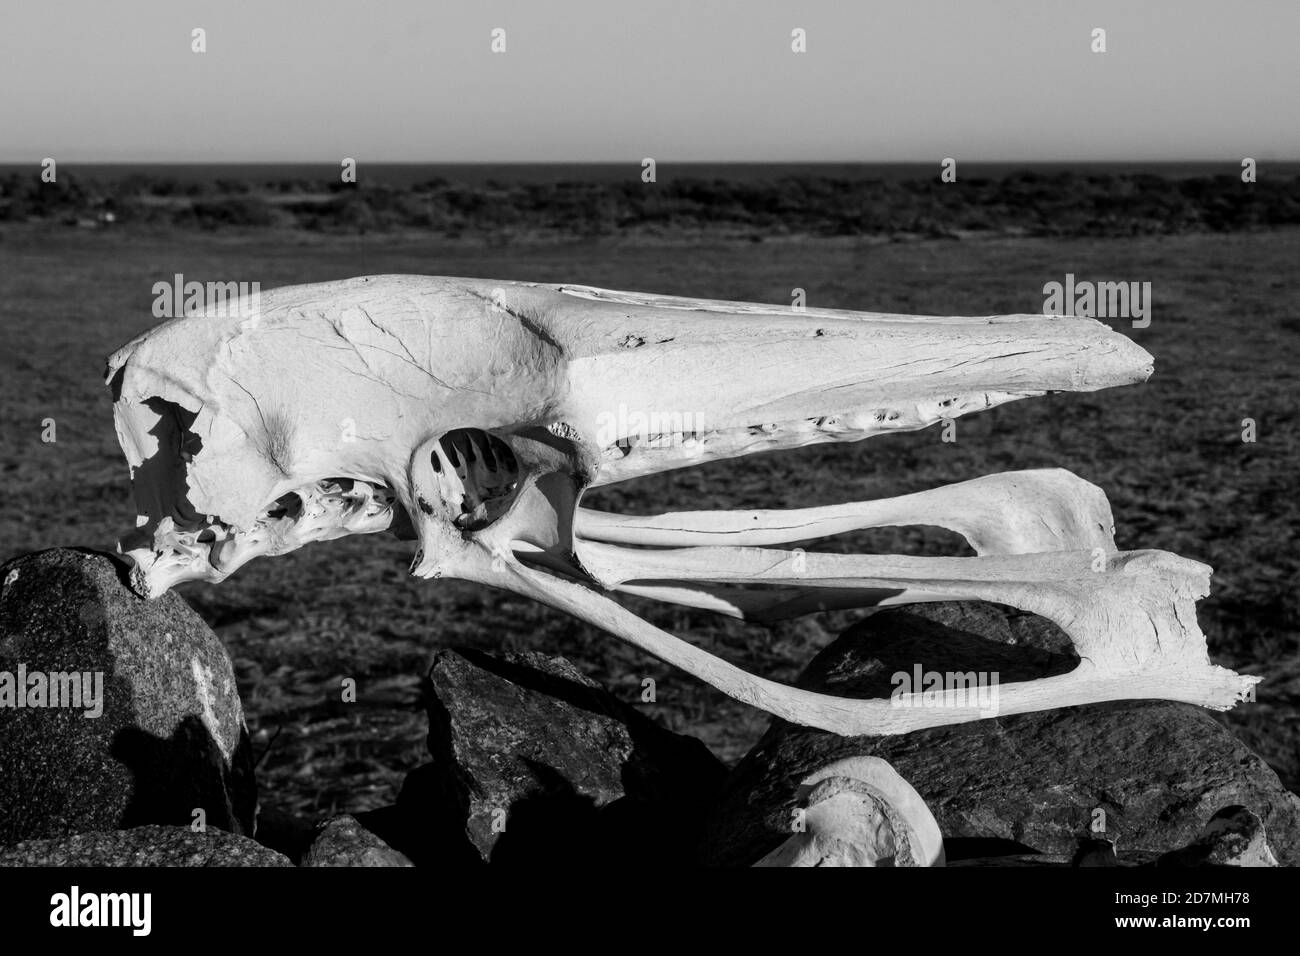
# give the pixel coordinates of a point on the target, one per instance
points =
(471, 415)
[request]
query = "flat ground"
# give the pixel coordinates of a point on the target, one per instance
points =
(1225, 333)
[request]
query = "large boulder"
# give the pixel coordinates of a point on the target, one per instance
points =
(1145, 774)
(158, 732)
(144, 846)
(533, 763)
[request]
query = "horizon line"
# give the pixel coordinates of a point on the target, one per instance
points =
(1236, 160)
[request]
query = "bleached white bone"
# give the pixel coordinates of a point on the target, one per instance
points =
(1184, 676)
(859, 812)
(1018, 512)
(211, 553)
(1012, 513)
(396, 390)
(344, 379)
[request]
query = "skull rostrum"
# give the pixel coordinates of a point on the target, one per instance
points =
(471, 415)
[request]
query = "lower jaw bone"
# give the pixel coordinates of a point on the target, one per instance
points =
(1044, 544)
(1019, 512)
(1132, 623)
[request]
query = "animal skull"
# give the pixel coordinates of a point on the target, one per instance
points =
(472, 415)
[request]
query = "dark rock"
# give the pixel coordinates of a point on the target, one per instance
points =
(1234, 837)
(171, 737)
(1154, 769)
(956, 849)
(144, 846)
(1095, 852)
(343, 841)
(428, 822)
(284, 832)
(1046, 859)
(979, 852)
(1017, 860)
(534, 762)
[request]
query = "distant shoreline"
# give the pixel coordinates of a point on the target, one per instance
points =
(754, 202)
(405, 174)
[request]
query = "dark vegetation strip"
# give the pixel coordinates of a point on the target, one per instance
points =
(1027, 203)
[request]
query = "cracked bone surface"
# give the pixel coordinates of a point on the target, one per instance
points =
(860, 812)
(472, 415)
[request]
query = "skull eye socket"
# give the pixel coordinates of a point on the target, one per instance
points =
(478, 476)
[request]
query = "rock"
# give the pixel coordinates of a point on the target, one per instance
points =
(1145, 773)
(170, 738)
(1095, 852)
(288, 833)
(533, 763)
(1089, 853)
(1015, 860)
(343, 841)
(144, 846)
(1233, 837)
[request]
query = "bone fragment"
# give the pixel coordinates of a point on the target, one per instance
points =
(859, 812)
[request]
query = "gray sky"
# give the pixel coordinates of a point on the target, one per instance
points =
(704, 80)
